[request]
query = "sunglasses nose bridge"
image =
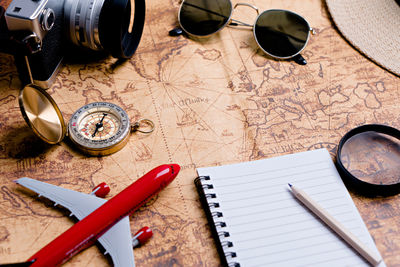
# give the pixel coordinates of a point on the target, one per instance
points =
(235, 22)
(248, 5)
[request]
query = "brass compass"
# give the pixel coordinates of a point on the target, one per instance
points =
(97, 129)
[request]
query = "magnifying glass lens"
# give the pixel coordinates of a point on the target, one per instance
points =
(372, 157)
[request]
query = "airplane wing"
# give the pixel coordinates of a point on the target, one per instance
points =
(80, 204)
(117, 241)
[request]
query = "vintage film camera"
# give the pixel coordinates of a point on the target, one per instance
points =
(36, 32)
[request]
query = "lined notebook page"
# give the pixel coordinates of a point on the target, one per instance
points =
(269, 227)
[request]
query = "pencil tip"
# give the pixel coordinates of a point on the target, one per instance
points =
(290, 185)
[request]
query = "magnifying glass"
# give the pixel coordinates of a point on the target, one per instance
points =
(368, 159)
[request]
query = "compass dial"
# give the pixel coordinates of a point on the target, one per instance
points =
(99, 128)
(99, 125)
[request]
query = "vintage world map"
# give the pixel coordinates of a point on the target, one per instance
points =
(214, 101)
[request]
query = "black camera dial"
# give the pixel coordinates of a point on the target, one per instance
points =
(47, 19)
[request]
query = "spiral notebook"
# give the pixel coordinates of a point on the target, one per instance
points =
(256, 221)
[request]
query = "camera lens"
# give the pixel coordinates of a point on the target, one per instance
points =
(103, 25)
(82, 22)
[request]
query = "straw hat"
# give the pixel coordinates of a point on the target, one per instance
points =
(371, 26)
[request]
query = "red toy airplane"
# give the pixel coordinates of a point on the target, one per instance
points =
(101, 220)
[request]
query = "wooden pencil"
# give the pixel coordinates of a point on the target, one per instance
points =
(336, 226)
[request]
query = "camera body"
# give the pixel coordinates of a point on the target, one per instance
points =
(38, 32)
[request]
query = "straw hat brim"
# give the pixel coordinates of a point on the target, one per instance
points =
(372, 27)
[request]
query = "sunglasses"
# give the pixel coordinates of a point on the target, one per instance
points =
(281, 34)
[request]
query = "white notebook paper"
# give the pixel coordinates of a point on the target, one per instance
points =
(267, 226)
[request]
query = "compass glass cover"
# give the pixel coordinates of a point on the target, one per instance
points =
(99, 126)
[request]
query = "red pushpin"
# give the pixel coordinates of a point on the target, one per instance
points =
(101, 190)
(142, 236)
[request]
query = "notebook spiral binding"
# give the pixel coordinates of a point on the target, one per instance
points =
(209, 200)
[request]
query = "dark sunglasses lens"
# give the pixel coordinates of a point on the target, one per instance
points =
(204, 17)
(281, 33)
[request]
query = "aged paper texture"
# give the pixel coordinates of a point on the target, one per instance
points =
(214, 101)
